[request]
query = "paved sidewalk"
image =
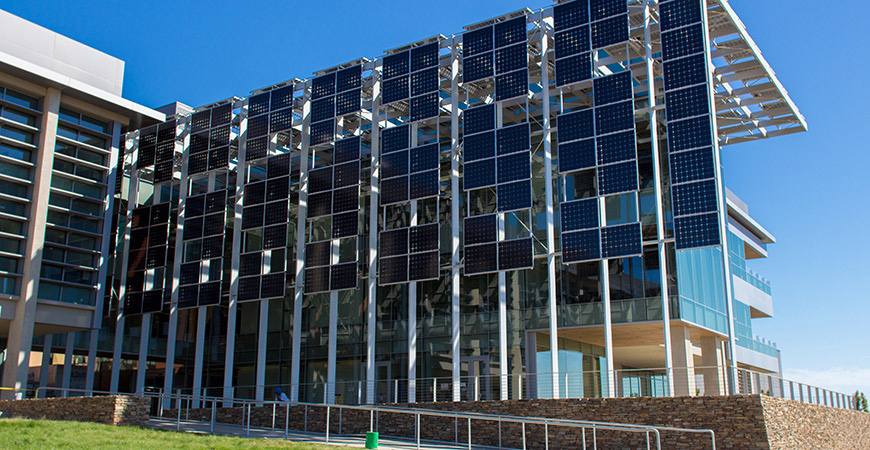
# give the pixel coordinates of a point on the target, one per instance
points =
(300, 436)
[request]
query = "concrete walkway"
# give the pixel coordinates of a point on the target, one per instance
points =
(306, 437)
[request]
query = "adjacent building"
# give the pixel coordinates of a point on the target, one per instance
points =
(493, 214)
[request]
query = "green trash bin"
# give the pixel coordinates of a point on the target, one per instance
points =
(371, 439)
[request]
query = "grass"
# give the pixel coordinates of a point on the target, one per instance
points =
(49, 434)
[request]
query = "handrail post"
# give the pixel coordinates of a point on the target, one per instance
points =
(339, 420)
(418, 431)
(546, 437)
(287, 422)
(274, 406)
(327, 423)
(306, 419)
(396, 391)
(435, 389)
(469, 433)
(594, 439)
(213, 411)
(583, 429)
(178, 407)
(248, 429)
(647, 440)
(372, 420)
(499, 433)
(524, 435)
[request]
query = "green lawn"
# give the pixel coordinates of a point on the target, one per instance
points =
(48, 434)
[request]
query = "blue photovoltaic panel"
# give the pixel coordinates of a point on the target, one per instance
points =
(147, 154)
(514, 196)
(621, 240)
(166, 131)
(318, 254)
(278, 188)
(617, 178)
(514, 138)
(272, 285)
(424, 81)
(322, 132)
(256, 149)
(423, 266)
(394, 164)
(320, 204)
(579, 214)
(423, 185)
(218, 158)
(195, 206)
(692, 165)
(258, 104)
(481, 259)
(213, 225)
(581, 246)
(479, 146)
(395, 138)
(348, 102)
(275, 237)
(197, 164)
(281, 120)
(602, 9)
(190, 273)
(616, 147)
(258, 126)
(249, 288)
(250, 264)
(697, 231)
(424, 158)
(148, 137)
(395, 65)
(694, 198)
(481, 118)
(152, 301)
(615, 117)
(393, 270)
(424, 56)
(222, 115)
(682, 42)
(212, 247)
(678, 13)
(613, 88)
(187, 296)
(252, 217)
(511, 85)
(394, 242)
(610, 31)
(345, 225)
(317, 280)
(572, 42)
(343, 276)
(278, 166)
(689, 134)
(424, 106)
(689, 102)
(478, 174)
(347, 79)
(577, 155)
(347, 150)
(477, 67)
(480, 229)
(510, 32)
(198, 144)
(514, 167)
(687, 71)
(511, 58)
(571, 14)
(346, 199)
(395, 89)
(423, 238)
(394, 190)
(573, 69)
(576, 125)
(515, 254)
(346, 174)
(282, 98)
(200, 121)
(477, 41)
(218, 137)
(323, 86)
(193, 227)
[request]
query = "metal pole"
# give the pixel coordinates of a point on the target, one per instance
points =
(499, 434)
(213, 411)
(594, 439)
(524, 435)
(177, 405)
(339, 420)
(287, 422)
(372, 420)
(418, 431)
(327, 424)
(469, 433)
(546, 437)
(584, 437)
(248, 428)
(274, 406)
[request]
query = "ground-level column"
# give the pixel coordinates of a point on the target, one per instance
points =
(46, 363)
(683, 357)
(67, 363)
(712, 361)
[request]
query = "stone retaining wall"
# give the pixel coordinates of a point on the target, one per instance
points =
(113, 410)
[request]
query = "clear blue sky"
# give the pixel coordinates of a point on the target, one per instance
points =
(809, 189)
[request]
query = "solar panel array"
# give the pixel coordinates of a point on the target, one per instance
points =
(407, 174)
(485, 253)
(408, 254)
(582, 27)
(602, 138)
(413, 74)
(498, 159)
(694, 193)
(266, 214)
(203, 235)
(334, 191)
(335, 94)
(157, 148)
(500, 51)
(210, 135)
(149, 244)
(269, 112)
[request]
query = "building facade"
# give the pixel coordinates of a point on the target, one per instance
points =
(494, 214)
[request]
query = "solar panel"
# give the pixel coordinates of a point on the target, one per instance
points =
(187, 296)
(610, 31)
(213, 224)
(345, 225)
(577, 155)
(320, 180)
(514, 167)
(157, 235)
(424, 106)
(477, 41)
(218, 158)
(322, 109)
(570, 14)
(682, 42)
(613, 88)
(694, 198)
(249, 288)
(581, 246)
(423, 266)
(514, 196)
(697, 231)
(250, 264)
(424, 81)
(322, 132)
(423, 238)
(277, 188)
(347, 79)
(318, 254)
(511, 85)
(152, 301)
(348, 102)
(166, 131)
(423, 185)
(212, 247)
(689, 102)
(395, 89)
(156, 257)
(346, 150)
(572, 42)
(576, 125)
(258, 126)
(573, 69)
(479, 146)
(478, 119)
(276, 212)
(478, 174)
(394, 164)
(222, 115)
(424, 158)
(343, 276)
(395, 138)
(394, 242)
(679, 13)
(346, 174)
(256, 149)
(194, 206)
(165, 152)
(511, 58)
(209, 294)
(345, 199)
(148, 137)
(602, 9)
(197, 163)
(198, 143)
(146, 156)
(190, 273)
(140, 217)
(393, 270)
(193, 228)
(215, 202)
(282, 98)
(394, 190)
(689, 134)
(424, 56)
(480, 229)
(477, 67)
(510, 32)
(160, 214)
(687, 71)
(258, 104)
(692, 165)
(133, 303)
(219, 137)
(275, 237)
(254, 193)
(317, 280)
(163, 172)
(481, 258)
(616, 147)
(579, 215)
(617, 178)
(135, 281)
(395, 65)
(621, 241)
(323, 86)
(272, 285)
(515, 254)
(615, 117)
(281, 120)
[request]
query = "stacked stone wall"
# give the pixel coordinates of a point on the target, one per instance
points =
(113, 410)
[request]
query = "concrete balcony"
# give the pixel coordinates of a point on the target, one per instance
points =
(760, 301)
(761, 356)
(51, 317)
